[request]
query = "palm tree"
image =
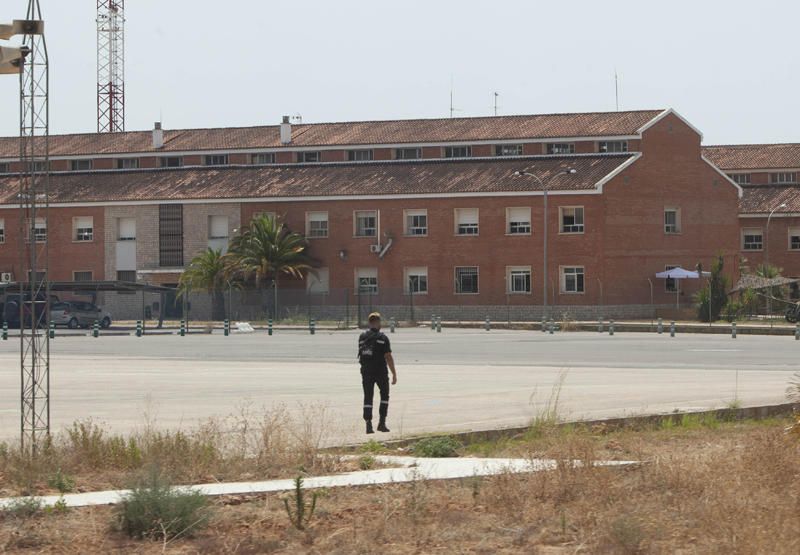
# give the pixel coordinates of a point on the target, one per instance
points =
(266, 250)
(206, 271)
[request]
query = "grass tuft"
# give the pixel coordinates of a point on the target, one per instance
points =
(435, 447)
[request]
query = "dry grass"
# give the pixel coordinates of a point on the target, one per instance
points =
(247, 446)
(724, 488)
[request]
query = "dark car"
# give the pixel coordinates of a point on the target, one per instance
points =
(10, 308)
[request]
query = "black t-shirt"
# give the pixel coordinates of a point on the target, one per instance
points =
(372, 348)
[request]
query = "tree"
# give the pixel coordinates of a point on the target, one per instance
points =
(768, 271)
(206, 271)
(265, 251)
(713, 297)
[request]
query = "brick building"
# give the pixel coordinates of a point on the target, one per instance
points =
(429, 207)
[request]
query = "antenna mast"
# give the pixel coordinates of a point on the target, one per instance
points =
(110, 66)
(496, 96)
(616, 88)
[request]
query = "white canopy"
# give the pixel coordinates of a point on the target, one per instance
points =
(678, 273)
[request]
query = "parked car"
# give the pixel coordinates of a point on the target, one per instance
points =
(10, 305)
(75, 314)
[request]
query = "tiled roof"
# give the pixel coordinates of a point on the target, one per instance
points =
(387, 178)
(351, 133)
(761, 199)
(754, 157)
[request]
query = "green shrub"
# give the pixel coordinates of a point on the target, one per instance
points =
(371, 446)
(302, 512)
(153, 509)
(444, 446)
(366, 462)
(61, 482)
(24, 507)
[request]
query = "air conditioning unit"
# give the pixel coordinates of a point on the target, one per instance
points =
(6, 277)
(375, 248)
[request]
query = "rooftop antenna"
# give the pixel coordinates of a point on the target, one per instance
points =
(616, 88)
(496, 96)
(452, 107)
(110, 66)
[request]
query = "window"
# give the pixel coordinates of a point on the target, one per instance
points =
(416, 222)
(752, 239)
(39, 230)
(367, 281)
(83, 227)
(672, 220)
(518, 279)
(416, 282)
(670, 284)
(82, 276)
(317, 225)
(127, 275)
(308, 157)
(39, 166)
(560, 148)
(572, 279)
(2, 231)
(263, 158)
(5, 167)
(366, 223)
(457, 151)
(466, 280)
(171, 162)
(359, 155)
(571, 219)
(218, 233)
(126, 229)
(794, 238)
(741, 178)
(80, 165)
(318, 281)
(466, 221)
(170, 235)
(518, 221)
(612, 146)
(783, 177)
(216, 160)
(407, 153)
(508, 150)
(127, 163)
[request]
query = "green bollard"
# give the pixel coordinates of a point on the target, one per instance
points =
(52, 330)
(96, 329)
(392, 325)
(797, 332)
(551, 327)
(433, 322)
(544, 325)
(733, 330)
(600, 326)
(611, 327)
(660, 326)
(5, 331)
(488, 324)
(226, 327)
(312, 326)
(138, 328)
(183, 328)
(269, 326)
(672, 329)
(439, 324)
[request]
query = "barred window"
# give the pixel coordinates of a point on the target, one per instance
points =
(82, 276)
(466, 279)
(519, 279)
(170, 235)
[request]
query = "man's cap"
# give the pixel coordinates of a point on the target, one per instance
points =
(374, 316)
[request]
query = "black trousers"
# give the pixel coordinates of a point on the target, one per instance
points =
(369, 380)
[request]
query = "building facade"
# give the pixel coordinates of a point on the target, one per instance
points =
(428, 213)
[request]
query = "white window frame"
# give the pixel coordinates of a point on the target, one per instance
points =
(315, 216)
(783, 178)
(677, 226)
(39, 230)
(794, 232)
(262, 158)
(82, 234)
(508, 150)
(740, 178)
(163, 161)
(360, 213)
(457, 284)
(119, 230)
(81, 165)
(397, 151)
(511, 272)
(451, 151)
(363, 288)
(521, 224)
(415, 271)
(562, 227)
(418, 231)
(127, 163)
(319, 284)
(216, 160)
(304, 155)
(560, 148)
(468, 227)
(563, 273)
(750, 231)
(211, 236)
(619, 146)
(360, 155)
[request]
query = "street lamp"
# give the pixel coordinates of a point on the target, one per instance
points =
(766, 254)
(545, 185)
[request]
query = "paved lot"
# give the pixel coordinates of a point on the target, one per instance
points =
(456, 380)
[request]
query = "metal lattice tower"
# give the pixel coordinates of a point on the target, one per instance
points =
(110, 66)
(34, 204)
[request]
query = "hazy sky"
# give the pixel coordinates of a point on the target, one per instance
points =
(731, 67)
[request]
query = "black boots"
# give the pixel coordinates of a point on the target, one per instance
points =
(382, 426)
(369, 427)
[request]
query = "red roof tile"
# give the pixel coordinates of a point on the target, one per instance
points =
(754, 157)
(388, 178)
(351, 133)
(762, 199)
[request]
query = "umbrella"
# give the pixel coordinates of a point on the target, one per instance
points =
(678, 273)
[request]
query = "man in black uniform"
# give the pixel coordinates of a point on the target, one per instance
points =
(375, 354)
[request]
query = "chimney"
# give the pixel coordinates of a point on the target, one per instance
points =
(158, 136)
(286, 131)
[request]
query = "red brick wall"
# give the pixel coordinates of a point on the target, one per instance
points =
(776, 244)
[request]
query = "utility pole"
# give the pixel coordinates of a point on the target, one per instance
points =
(110, 66)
